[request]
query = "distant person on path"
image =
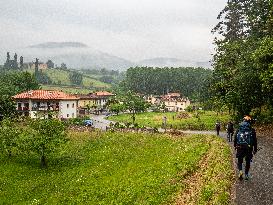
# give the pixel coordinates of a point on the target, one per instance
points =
(230, 131)
(217, 127)
(245, 142)
(164, 123)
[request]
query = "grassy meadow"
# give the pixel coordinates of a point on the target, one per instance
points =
(122, 168)
(62, 77)
(67, 89)
(203, 120)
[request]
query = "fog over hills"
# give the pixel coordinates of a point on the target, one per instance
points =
(59, 45)
(171, 62)
(80, 56)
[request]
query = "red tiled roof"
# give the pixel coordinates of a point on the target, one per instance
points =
(87, 97)
(45, 95)
(103, 93)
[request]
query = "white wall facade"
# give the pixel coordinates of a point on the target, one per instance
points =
(68, 109)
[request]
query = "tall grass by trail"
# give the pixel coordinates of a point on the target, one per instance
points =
(204, 120)
(117, 168)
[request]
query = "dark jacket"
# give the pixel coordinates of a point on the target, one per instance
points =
(230, 127)
(243, 151)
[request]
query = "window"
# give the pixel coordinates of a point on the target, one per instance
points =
(73, 105)
(73, 115)
(67, 115)
(67, 105)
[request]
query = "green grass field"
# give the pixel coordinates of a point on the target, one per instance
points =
(62, 76)
(120, 168)
(67, 89)
(205, 121)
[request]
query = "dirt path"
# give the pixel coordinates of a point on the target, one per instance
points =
(259, 189)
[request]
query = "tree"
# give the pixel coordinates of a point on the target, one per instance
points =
(12, 83)
(7, 107)
(63, 66)
(236, 80)
(107, 79)
(48, 135)
(9, 133)
(116, 108)
(50, 64)
(75, 78)
(134, 104)
(43, 78)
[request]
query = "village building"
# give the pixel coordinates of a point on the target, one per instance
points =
(31, 65)
(103, 97)
(173, 102)
(93, 102)
(46, 104)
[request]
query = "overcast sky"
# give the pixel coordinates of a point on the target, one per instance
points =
(131, 29)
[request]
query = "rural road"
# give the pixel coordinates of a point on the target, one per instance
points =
(256, 191)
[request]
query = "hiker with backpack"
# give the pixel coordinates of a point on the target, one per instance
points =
(245, 143)
(230, 131)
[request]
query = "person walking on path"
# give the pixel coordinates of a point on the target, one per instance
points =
(217, 127)
(230, 131)
(245, 143)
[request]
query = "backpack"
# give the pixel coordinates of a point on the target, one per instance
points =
(230, 127)
(245, 135)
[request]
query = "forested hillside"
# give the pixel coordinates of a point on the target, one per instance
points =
(148, 80)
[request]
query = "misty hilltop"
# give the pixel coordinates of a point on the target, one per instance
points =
(59, 45)
(78, 55)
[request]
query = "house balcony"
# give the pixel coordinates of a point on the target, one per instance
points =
(45, 108)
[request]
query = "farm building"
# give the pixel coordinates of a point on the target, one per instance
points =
(46, 103)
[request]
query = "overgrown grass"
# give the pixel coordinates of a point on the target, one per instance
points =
(109, 168)
(218, 177)
(204, 120)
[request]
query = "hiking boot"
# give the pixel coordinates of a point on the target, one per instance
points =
(240, 175)
(246, 176)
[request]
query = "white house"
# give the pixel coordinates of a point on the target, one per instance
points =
(46, 103)
(102, 97)
(173, 101)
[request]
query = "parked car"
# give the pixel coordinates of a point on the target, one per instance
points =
(88, 123)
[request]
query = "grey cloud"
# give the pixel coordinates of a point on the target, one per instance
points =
(134, 29)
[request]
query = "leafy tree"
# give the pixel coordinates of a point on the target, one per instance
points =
(134, 104)
(63, 66)
(12, 83)
(7, 107)
(9, 133)
(75, 78)
(48, 135)
(242, 61)
(43, 78)
(107, 79)
(50, 64)
(116, 108)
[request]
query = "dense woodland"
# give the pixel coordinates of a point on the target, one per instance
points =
(148, 80)
(243, 64)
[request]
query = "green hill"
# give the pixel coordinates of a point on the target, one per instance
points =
(60, 81)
